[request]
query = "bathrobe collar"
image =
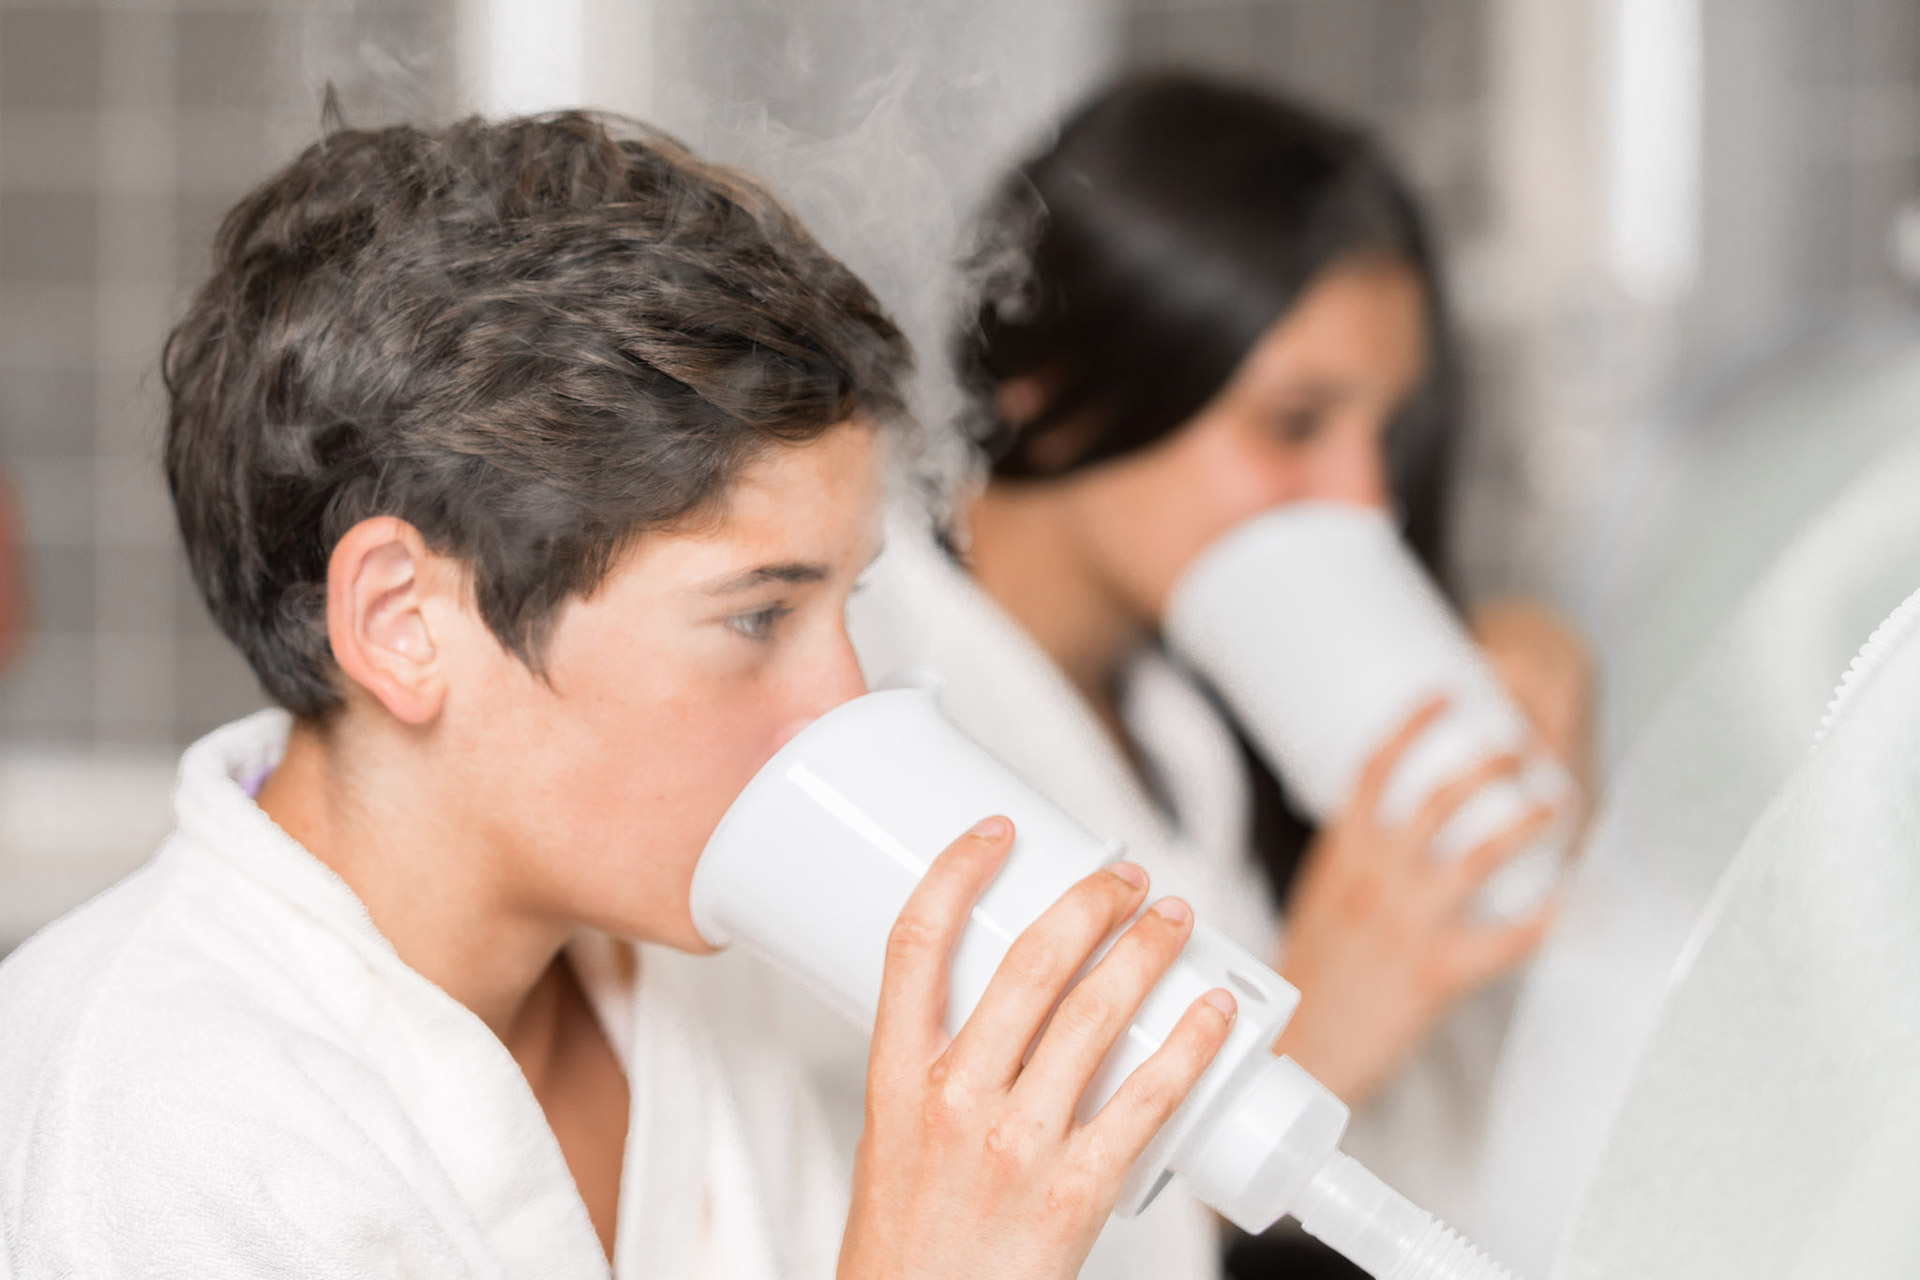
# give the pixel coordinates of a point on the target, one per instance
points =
(689, 1206)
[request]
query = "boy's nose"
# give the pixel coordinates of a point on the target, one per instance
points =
(843, 680)
(838, 680)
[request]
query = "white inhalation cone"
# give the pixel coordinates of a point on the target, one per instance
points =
(815, 859)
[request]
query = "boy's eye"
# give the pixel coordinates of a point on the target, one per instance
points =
(759, 624)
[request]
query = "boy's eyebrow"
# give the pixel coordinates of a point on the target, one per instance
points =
(792, 572)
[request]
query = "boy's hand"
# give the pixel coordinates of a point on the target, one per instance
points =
(972, 1163)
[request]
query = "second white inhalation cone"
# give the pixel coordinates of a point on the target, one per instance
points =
(1324, 635)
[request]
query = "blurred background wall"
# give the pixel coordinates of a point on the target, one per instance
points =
(126, 130)
(1662, 219)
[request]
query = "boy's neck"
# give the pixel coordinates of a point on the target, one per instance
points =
(432, 881)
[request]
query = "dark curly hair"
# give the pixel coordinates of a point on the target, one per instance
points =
(533, 340)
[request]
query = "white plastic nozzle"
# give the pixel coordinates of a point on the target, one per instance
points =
(1272, 1148)
(1262, 1147)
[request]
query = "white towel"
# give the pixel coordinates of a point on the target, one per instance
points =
(1725, 741)
(221, 1068)
(1772, 1127)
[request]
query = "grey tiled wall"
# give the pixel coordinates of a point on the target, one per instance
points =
(127, 126)
(1414, 70)
(1812, 117)
(1811, 142)
(126, 129)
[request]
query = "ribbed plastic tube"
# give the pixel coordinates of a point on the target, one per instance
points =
(1383, 1233)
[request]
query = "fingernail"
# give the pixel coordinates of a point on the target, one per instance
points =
(990, 828)
(1130, 872)
(1222, 999)
(1173, 909)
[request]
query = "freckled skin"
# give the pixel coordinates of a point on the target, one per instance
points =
(656, 711)
(485, 812)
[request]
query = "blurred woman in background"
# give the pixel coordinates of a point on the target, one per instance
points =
(1202, 302)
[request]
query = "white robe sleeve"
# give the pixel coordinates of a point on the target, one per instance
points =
(272, 1164)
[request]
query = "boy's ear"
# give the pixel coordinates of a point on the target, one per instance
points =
(377, 584)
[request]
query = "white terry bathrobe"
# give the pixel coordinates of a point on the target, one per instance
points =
(1191, 830)
(220, 1068)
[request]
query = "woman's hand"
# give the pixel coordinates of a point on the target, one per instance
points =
(1378, 936)
(1546, 668)
(972, 1163)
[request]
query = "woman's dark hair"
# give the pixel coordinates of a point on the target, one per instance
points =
(533, 340)
(1130, 266)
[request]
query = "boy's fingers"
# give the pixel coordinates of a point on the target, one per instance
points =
(1144, 1101)
(909, 1024)
(1095, 1014)
(1036, 970)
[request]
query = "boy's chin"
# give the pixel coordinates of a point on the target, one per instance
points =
(679, 935)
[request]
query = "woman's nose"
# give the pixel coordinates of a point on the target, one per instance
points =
(1357, 474)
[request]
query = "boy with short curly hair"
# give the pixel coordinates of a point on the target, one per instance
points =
(530, 464)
